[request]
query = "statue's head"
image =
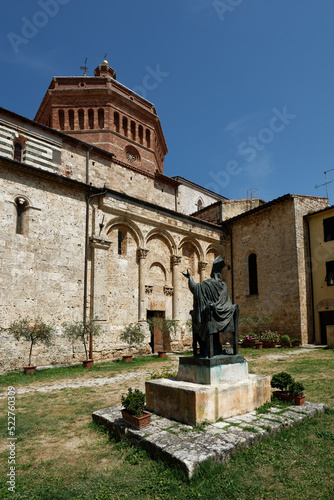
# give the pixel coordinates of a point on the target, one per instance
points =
(217, 266)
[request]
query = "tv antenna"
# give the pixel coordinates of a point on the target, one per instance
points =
(85, 67)
(326, 182)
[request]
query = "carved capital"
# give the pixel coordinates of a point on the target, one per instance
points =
(142, 253)
(176, 260)
(149, 289)
(202, 265)
(168, 290)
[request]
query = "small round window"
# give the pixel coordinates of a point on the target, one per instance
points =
(132, 154)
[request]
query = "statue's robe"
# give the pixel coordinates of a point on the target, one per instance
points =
(210, 320)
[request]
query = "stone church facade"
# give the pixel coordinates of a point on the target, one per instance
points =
(90, 222)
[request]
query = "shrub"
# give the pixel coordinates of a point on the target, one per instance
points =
(285, 338)
(296, 389)
(270, 336)
(134, 402)
(281, 381)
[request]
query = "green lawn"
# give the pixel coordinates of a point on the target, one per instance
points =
(61, 454)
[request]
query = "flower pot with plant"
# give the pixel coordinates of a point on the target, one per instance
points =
(133, 412)
(250, 340)
(131, 334)
(296, 392)
(285, 341)
(34, 331)
(290, 390)
(296, 342)
(85, 332)
(269, 338)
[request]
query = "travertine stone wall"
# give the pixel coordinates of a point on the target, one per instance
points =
(276, 234)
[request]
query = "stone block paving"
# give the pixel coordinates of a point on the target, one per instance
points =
(189, 446)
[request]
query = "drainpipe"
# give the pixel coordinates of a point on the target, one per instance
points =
(88, 198)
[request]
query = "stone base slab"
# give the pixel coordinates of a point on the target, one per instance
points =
(213, 371)
(193, 404)
(187, 447)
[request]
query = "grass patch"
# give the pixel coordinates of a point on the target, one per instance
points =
(62, 454)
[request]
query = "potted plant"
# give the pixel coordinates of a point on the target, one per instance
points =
(296, 342)
(250, 340)
(33, 330)
(285, 341)
(79, 330)
(290, 390)
(133, 412)
(131, 334)
(269, 338)
(281, 381)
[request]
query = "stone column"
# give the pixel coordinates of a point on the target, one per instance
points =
(142, 254)
(202, 267)
(175, 266)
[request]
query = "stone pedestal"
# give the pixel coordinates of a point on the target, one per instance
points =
(213, 371)
(208, 389)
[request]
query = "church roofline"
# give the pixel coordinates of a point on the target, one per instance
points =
(187, 182)
(269, 204)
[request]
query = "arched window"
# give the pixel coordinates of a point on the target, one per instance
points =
(125, 126)
(61, 118)
(91, 118)
(81, 116)
(116, 121)
(71, 118)
(133, 130)
(141, 134)
(252, 274)
(21, 205)
(101, 117)
(121, 241)
(199, 204)
(18, 151)
(148, 138)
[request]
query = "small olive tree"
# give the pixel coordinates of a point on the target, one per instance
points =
(132, 334)
(79, 330)
(32, 330)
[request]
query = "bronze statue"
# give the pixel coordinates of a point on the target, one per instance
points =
(213, 312)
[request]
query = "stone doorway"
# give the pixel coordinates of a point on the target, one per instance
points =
(326, 318)
(156, 335)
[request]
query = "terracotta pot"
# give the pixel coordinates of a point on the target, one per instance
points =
(298, 400)
(88, 363)
(137, 422)
(297, 344)
(249, 343)
(29, 370)
(127, 358)
(267, 343)
(162, 354)
(258, 345)
(286, 344)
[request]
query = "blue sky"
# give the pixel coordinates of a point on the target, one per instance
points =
(243, 88)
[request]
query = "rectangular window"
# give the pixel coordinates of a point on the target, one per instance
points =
(329, 229)
(330, 273)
